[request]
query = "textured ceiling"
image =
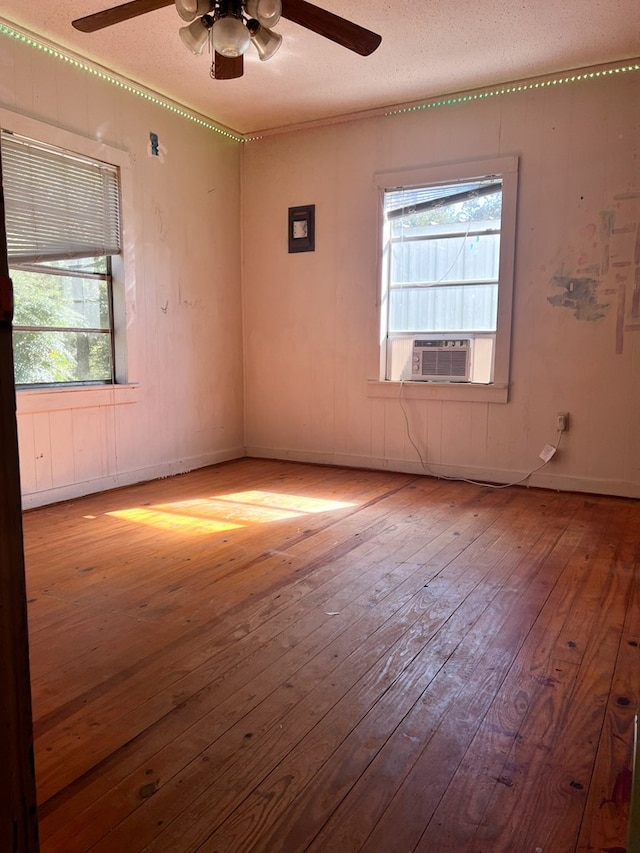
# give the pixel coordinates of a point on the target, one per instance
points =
(428, 49)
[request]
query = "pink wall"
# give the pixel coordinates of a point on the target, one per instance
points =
(182, 406)
(311, 320)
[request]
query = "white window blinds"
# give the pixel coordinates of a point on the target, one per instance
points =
(58, 205)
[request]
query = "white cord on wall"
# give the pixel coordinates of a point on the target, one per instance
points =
(429, 470)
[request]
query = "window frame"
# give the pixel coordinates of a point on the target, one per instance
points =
(126, 358)
(63, 272)
(497, 391)
(61, 207)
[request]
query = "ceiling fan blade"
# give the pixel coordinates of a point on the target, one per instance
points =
(331, 26)
(115, 15)
(228, 67)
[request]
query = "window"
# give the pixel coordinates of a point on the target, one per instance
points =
(62, 329)
(63, 226)
(447, 269)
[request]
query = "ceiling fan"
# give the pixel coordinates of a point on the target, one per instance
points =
(232, 25)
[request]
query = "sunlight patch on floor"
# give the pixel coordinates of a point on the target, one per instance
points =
(161, 520)
(297, 503)
(227, 512)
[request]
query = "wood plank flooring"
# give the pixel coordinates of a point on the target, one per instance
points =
(268, 656)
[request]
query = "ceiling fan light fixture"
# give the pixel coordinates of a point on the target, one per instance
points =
(267, 12)
(230, 36)
(195, 36)
(186, 9)
(264, 40)
(191, 9)
(224, 26)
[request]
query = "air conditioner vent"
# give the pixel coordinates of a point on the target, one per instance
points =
(446, 360)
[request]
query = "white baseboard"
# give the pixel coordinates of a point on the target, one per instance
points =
(545, 478)
(128, 478)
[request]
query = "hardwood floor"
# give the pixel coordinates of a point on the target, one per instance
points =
(269, 656)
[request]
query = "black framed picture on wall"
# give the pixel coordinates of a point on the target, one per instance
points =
(302, 228)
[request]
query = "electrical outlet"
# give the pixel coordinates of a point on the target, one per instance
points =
(562, 421)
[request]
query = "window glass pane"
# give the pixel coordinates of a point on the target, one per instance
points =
(92, 265)
(467, 258)
(432, 206)
(49, 357)
(54, 300)
(464, 308)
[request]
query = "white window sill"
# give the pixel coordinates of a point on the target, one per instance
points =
(456, 391)
(33, 400)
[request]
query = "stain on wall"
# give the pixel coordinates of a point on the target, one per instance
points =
(605, 269)
(579, 294)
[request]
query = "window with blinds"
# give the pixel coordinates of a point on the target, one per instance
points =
(63, 227)
(447, 273)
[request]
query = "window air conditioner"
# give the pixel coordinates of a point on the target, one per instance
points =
(441, 359)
